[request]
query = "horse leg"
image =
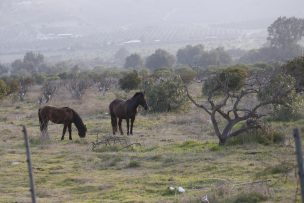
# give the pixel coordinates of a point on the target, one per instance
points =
(132, 121)
(70, 131)
(128, 126)
(119, 124)
(63, 131)
(44, 127)
(114, 124)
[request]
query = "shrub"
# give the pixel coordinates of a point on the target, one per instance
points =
(130, 81)
(133, 164)
(3, 89)
(165, 93)
(265, 135)
(232, 78)
(186, 74)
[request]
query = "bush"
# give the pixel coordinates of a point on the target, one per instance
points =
(165, 93)
(3, 89)
(265, 135)
(130, 81)
(186, 74)
(232, 78)
(252, 197)
(133, 164)
(290, 113)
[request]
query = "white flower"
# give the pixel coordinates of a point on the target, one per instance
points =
(205, 199)
(181, 190)
(171, 188)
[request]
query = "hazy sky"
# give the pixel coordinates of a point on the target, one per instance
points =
(119, 12)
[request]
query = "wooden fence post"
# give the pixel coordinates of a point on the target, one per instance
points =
(298, 142)
(29, 164)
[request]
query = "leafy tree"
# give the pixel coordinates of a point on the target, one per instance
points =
(215, 57)
(237, 102)
(130, 81)
(160, 59)
(285, 32)
(165, 92)
(229, 79)
(197, 56)
(134, 61)
(187, 74)
(121, 55)
(295, 68)
(190, 55)
(31, 63)
(283, 37)
(270, 54)
(3, 69)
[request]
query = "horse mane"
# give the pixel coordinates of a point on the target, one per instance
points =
(137, 94)
(78, 121)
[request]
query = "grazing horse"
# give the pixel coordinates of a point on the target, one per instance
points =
(65, 116)
(126, 110)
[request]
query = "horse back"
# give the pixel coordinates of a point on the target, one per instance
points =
(56, 115)
(118, 108)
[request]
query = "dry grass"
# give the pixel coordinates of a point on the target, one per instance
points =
(177, 149)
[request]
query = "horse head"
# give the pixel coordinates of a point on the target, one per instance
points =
(82, 131)
(141, 99)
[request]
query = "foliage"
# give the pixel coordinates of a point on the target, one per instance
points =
(231, 79)
(270, 54)
(187, 74)
(279, 90)
(121, 55)
(31, 63)
(252, 197)
(263, 88)
(196, 56)
(130, 81)
(190, 55)
(165, 93)
(295, 68)
(3, 89)
(290, 112)
(134, 61)
(160, 59)
(216, 57)
(285, 32)
(265, 134)
(3, 69)
(283, 36)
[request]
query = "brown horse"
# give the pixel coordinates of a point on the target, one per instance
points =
(126, 110)
(65, 116)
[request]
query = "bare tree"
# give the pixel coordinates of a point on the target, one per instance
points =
(77, 87)
(24, 85)
(48, 91)
(230, 99)
(104, 84)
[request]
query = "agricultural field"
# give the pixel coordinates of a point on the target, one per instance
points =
(177, 149)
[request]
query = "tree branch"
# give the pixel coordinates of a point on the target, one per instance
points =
(195, 103)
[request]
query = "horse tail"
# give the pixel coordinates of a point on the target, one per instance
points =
(40, 120)
(113, 119)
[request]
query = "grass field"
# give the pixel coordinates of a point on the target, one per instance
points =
(177, 149)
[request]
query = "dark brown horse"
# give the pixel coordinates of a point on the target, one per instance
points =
(126, 110)
(65, 116)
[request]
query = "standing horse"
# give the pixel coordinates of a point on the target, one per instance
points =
(65, 116)
(126, 110)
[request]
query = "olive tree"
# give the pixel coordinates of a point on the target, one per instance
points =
(236, 95)
(165, 91)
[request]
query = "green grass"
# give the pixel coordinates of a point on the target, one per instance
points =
(172, 153)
